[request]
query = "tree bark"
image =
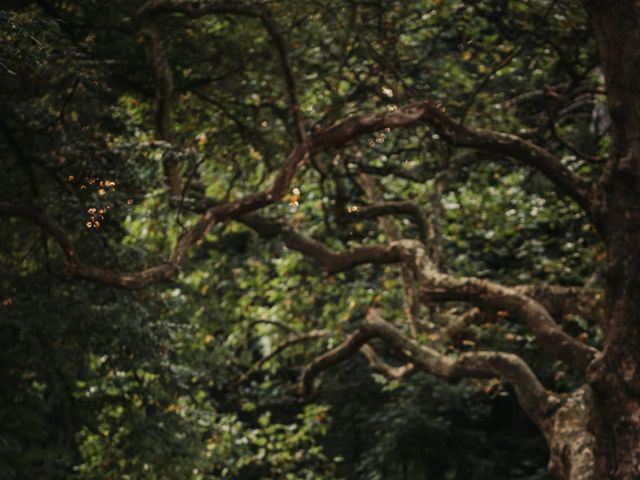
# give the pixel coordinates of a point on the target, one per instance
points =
(571, 444)
(615, 375)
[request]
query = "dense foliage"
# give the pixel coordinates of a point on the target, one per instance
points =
(194, 377)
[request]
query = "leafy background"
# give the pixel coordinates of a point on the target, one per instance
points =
(104, 383)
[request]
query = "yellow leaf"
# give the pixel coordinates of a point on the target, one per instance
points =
(466, 55)
(254, 154)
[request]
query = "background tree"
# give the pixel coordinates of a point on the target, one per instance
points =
(233, 197)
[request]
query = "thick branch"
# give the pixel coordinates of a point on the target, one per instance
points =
(512, 146)
(485, 293)
(434, 284)
(508, 145)
(534, 398)
(563, 301)
(557, 300)
(333, 261)
(333, 137)
(488, 294)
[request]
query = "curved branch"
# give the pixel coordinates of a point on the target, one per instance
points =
(333, 137)
(559, 301)
(339, 261)
(45, 223)
(333, 261)
(529, 153)
(328, 359)
(512, 146)
(485, 293)
(551, 338)
(536, 401)
(75, 267)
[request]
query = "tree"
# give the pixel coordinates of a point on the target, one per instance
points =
(291, 119)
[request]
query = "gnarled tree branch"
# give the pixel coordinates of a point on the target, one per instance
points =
(559, 301)
(537, 402)
(333, 137)
(512, 146)
(485, 293)
(434, 284)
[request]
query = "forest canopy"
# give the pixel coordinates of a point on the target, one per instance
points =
(320, 240)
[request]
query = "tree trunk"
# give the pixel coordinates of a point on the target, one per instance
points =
(570, 443)
(615, 376)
